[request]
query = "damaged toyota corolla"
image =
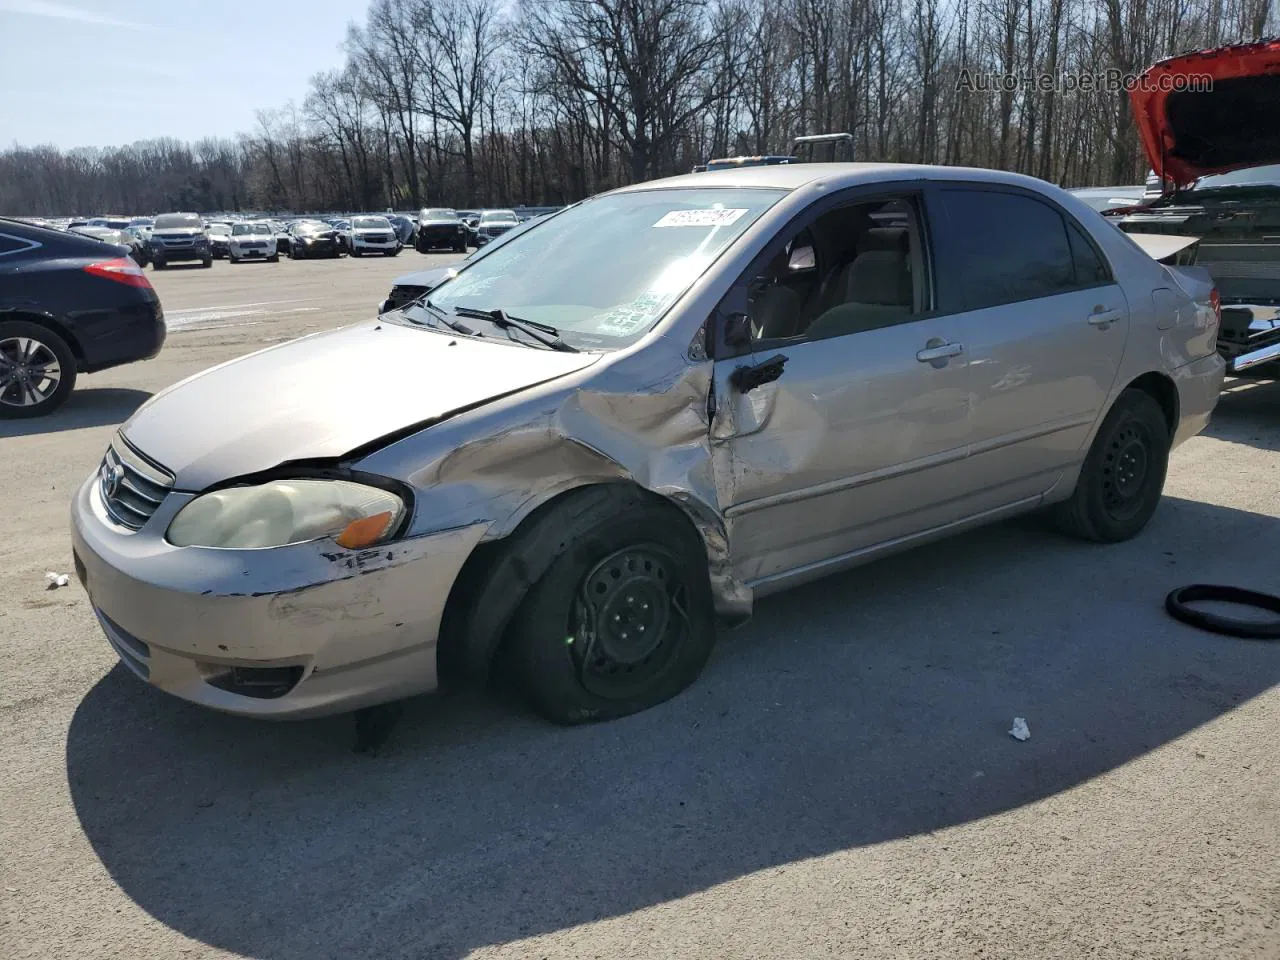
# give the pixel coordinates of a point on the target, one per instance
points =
(577, 459)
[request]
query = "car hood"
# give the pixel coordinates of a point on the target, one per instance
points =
(439, 222)
(425, 278)
(326, 395)
(1189, 132)
(177, 233)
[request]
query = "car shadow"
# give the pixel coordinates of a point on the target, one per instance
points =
(863, 708)
(1248, 412)
(86, 407)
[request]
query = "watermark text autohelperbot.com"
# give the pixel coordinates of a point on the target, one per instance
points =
(1105, 81)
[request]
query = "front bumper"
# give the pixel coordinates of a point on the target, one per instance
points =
(253, 253)
(380, 246)
(179, 254)
(338, 629)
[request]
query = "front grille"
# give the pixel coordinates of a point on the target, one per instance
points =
(131, 486)
(376, 237)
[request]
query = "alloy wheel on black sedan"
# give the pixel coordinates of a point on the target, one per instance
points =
(37, 370)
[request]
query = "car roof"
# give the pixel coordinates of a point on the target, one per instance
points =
(793, 176)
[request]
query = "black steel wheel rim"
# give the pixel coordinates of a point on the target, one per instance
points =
(628, 621)
(1126, 467)
(29, 372)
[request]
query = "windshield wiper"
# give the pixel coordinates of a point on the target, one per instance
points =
(545, 334)
(439, 314)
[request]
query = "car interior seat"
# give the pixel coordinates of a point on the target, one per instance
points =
(875, 289)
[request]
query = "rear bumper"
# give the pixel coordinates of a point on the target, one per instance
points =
(124, 336)
(1199, 385)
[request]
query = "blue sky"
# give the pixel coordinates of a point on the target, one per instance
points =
(108, 72)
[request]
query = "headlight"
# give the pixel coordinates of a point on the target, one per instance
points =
(288, 511)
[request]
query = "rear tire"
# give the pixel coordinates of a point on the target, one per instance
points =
(40, 347)
(622, 620)
(1123, 474)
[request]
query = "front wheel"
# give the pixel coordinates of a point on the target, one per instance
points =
(1123, 474)
(37, 370)
(622, 620)
(275, 258)
(207, 262)
(391, 253)
(357, 252)
(157, 264)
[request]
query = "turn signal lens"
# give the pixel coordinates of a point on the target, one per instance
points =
(366, 531)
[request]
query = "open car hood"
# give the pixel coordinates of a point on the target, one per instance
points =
(1190, 132)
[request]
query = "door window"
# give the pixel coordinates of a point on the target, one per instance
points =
(854, 268)
(1002, 247)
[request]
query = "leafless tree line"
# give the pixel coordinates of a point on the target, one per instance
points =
(453, 102)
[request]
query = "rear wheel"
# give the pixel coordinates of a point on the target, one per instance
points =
(1123, 474)
(37, 370)
(622, 619)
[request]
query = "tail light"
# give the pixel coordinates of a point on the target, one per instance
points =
(1215, 301)
(121, 270)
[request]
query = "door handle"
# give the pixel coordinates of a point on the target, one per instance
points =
(937, 349)
(1101, 318)
(748, 378)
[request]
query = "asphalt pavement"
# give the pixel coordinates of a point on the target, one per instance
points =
(840, 782)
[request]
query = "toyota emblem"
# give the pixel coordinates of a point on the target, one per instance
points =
(112, 476)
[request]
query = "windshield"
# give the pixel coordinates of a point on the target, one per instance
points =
(371, 223)
(439, 215)
(244, 229)
(311, 226)
(658, 243)
(1265, 176)
(177, 221)
(499, 216)
(219, 228)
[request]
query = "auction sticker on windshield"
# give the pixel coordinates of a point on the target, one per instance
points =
(699, 218)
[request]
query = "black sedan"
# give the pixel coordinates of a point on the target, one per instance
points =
(313, 238)
(69, 304)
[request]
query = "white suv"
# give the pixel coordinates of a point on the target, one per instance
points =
(372, 235)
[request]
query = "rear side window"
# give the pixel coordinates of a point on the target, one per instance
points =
(997, 247)
(1091, 270)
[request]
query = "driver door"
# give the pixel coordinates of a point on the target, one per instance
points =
(853, 429)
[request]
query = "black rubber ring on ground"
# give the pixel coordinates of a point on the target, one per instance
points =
(1177, 605)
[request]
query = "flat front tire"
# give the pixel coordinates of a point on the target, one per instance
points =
(1123, 475)
(622, 620)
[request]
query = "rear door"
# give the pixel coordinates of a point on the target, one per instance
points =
(1044, 325)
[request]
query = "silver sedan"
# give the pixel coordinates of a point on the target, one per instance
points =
(583, 452)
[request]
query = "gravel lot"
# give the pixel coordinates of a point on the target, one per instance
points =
(839, 784)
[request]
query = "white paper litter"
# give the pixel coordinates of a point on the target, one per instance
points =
(1020, 730)
(57, 579)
